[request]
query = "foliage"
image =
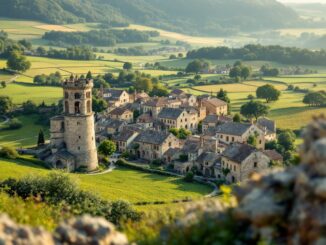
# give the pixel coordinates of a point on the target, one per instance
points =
(31, 213)
(127, 66)
(223, 95)
(107, 148)
(6, 105)
(285, 55)
(15, 124)
(54, 79)
(315, 98)
(72, 53)
(58, 189)
(254, 109)
(29, 107)
(196, 66)
(189, 177)
(252, 140)
(3, 84)
(236, 118)
(99, 105)
(287, 139)
(268, 92)
(41, 138)
(106, 37)
(270, 72)
(8, 152)
(240, 71)
(180, 133)
(18, 62)
(211, 18)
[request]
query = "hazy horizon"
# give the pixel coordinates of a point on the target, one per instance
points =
(302, 1)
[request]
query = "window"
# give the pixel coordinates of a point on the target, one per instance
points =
(66, 107)
(227, 138)
(255, 164)
(88, 95)
(79, 137)
(77, 96)
(234, 168)
(77, 107)
(170, 144)
(232, 139)
(88, 106)
(66, 95)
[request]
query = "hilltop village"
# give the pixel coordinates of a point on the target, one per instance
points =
(182, 132)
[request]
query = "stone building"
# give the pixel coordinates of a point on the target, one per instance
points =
(151, 145)
(215, 106)
(243, 160)
(179, 118)
(123, 114)
(240, 132)
(115, 97)
(72, 139)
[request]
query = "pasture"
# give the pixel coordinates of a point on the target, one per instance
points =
(25, 136)
(121, 184)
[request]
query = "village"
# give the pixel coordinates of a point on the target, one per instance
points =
(186, 133)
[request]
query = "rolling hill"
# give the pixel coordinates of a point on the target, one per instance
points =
(212, 17)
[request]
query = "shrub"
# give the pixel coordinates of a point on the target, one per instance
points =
(8, 152)
(58, 189)
(15, 124)
(189, 177)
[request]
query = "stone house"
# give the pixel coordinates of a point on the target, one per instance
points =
(215, 106)
(177, 92)
(151, 145)
(205, 163)
(122, 114)
(234, 132)
(110, 126)
(171, 155)
(179, 118)
(154, 106)
(268, 127)
(116, 98)
(242, 160)
(124, 139)
(213, 120)
(274, 156)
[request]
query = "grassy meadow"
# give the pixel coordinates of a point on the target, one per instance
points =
(121, 184)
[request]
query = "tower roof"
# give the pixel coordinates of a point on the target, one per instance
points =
(77, 82)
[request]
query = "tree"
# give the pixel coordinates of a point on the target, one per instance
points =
(89, 75)
(41, 51)
(144, 83)
(252, 140)
(237, 118)
(180, 55)
(194, 67)
(6, 105)
(99, 105)
(8, 152)
(172, 57)
(29, 107)
(223, 95)
(235, 72)
(127, 66)
(41, 138)
(107, 148)
(254, 109)
(3, 84)
(286, 139)
(268, 92)
(197, 77)
(18, 62)
(189, 177)
(315, 98)
(250, 97)
(245, 72)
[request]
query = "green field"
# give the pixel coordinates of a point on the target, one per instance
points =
(121, 184)
(23, 137)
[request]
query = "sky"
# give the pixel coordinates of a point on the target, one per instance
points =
(302, 1)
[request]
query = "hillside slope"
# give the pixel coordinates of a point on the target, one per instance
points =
(212, 17)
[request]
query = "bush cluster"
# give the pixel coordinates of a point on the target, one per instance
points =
(58, 189)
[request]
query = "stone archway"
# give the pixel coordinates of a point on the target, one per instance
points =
(59, 164)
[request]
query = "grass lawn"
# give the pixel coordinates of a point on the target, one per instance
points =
(23, 137)
(121, 184)
(20, 93)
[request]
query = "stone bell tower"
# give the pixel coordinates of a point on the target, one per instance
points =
(79, 129)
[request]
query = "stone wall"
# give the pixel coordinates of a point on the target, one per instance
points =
(82, 231)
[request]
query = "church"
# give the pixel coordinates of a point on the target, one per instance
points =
(72, 134)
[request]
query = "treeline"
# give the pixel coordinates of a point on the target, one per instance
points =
(100, 37)
(285, 55)
(72, 53)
